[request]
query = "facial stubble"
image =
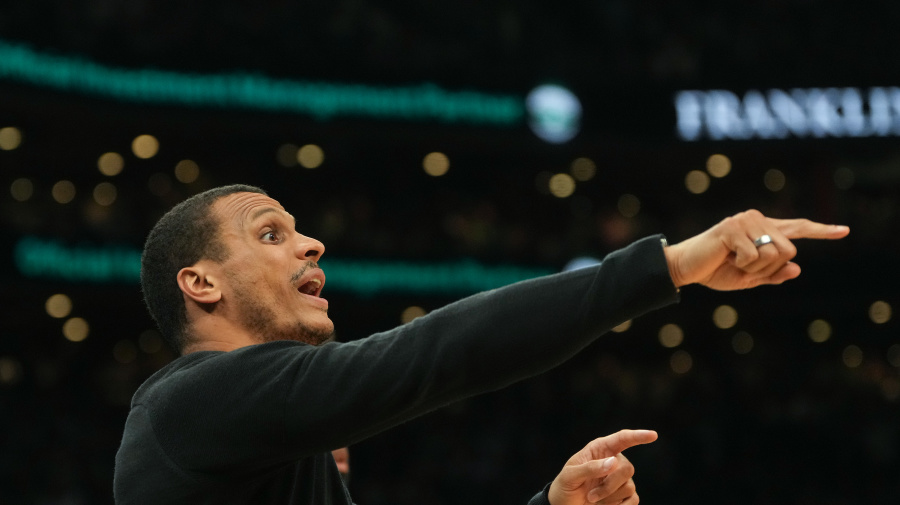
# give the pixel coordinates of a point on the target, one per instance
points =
(262, 320)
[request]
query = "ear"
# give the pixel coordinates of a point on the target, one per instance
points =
(199, 283)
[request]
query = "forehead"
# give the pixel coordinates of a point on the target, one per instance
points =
(241, 209)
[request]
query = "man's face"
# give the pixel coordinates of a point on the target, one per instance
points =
(272, 280)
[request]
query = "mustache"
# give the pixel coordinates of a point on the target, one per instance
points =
(299, 273)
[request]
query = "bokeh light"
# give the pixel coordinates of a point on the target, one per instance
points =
(187, 171)
(554, 113)
(774, 180)
(75, 329)
(286, 155)
(583, 169)
(725, 316)
(622, 327)
(21, 189)
(890, 388)
(696, 182)
(10, 138)
(819, 331)
(105, 193)
(436, 164)
(742, 342)
(852, 356)
(880, 312)
(561, 185)
(681, 362)
(671, 335)
(893, 355)
(110, 164)
(63, 192)
(628, 205)
(411, 313)
(58, 306)
(10, 371)
(310, 156)
(718, 165)
(145, 146)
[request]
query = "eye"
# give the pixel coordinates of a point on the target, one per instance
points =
(270, 236)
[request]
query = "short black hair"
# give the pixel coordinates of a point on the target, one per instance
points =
(186, 234)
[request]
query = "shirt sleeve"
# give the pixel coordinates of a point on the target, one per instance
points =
(541, 498)
(276, 402)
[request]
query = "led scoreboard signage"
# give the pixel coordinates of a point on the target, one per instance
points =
(778, 114)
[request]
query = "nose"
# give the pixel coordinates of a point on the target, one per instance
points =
(308, 248)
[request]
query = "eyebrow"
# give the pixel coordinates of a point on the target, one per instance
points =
(256, 215)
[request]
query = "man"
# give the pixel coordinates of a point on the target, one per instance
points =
(251, 410)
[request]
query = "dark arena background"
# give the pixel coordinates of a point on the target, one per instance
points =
(443, 149)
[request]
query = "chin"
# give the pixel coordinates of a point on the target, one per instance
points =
(316, 334)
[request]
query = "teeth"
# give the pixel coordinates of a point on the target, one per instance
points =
(311, 287)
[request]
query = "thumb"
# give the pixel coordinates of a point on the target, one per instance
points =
(577, 475)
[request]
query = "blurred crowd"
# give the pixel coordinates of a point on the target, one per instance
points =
(487, 44)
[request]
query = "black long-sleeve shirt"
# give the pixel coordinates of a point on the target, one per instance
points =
(256, 425)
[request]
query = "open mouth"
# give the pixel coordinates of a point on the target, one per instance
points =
(313, 287)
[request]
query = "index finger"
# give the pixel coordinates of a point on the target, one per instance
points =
(804, 228)
(621, 440)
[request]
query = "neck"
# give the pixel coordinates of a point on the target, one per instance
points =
(211, 345)
(211, 333)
